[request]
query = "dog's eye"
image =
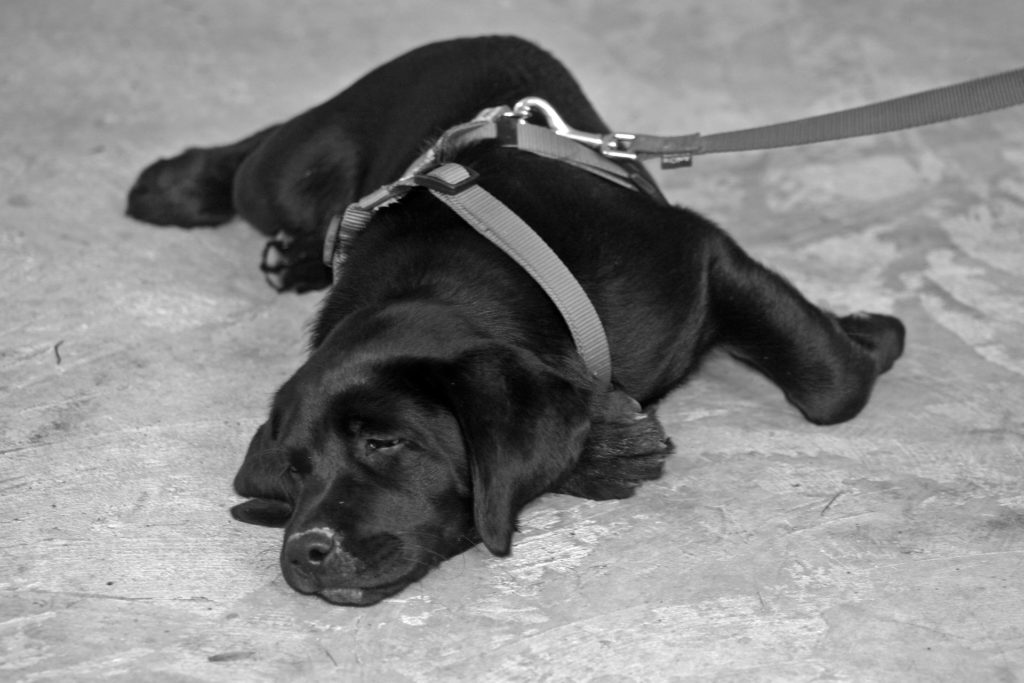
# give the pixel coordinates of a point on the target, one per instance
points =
(297, 466)
(383, 444)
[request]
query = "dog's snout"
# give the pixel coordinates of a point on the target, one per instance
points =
(309, 549)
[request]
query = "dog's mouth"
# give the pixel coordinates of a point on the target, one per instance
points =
(343, 588)
(360, 597)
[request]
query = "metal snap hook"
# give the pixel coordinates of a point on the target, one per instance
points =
(531, 106)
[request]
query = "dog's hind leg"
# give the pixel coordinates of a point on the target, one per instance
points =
(826, 365)
(194, 188)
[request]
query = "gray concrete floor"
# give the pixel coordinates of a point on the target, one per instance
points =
(135, 362)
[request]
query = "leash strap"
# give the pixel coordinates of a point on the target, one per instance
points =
(969, 98)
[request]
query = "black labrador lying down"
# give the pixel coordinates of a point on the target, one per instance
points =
(443, 391)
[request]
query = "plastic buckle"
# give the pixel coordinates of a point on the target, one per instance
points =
(432, 182)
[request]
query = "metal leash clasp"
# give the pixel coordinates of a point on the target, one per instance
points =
(612, 145)
(530, 106)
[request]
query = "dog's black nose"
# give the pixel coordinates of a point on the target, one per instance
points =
(309, 549)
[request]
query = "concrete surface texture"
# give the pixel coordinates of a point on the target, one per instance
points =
(135, 362)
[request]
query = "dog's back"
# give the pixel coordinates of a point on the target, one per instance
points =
(289, 179)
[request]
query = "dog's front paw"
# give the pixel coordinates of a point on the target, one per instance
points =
(626, 447)
(294, 264)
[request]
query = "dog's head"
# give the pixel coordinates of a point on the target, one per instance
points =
(404, 440)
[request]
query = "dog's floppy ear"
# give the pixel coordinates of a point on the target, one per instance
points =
(523, 425)
(262, 478)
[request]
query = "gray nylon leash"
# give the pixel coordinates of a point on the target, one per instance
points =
(978, 96)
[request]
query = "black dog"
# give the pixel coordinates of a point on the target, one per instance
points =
(443, 391)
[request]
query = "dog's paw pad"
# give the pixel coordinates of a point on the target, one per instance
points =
(618, 457)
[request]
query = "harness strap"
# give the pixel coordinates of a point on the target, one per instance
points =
(490, 124)
(496, 123)
(499, 224)
(455, 185)
(932, 106)
(543, 141)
